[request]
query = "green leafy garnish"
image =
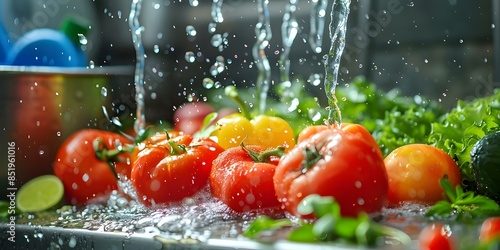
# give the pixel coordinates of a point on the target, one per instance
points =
(265, 223)
(458, 131)
(206, 128)
(462, 204)
(330, 225)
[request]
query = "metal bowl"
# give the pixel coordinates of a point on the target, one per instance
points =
(41, 106)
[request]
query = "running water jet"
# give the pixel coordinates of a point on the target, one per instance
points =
(136, 30)
(263, 35)
(338, 27)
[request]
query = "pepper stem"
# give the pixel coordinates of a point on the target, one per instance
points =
(264, 155)
(232, 93)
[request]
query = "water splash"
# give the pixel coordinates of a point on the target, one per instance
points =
(289, 31)
(137, 30)
(263, 34)
(338, 27)
(217, 11)
(318, 13)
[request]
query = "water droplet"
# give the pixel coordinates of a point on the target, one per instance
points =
(208, 83)
(193, 3)
(82, 39)
(212, 27)
(41, 152)
(190, 57)
(190, 31)
(315, 79)
(156, 49)
(85, 177)
(216, 40)
(104, 91)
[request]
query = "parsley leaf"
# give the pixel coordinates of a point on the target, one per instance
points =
(461, 204)
(330, 225)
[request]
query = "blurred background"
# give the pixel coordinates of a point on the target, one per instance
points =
(442, 49)
(446, 50)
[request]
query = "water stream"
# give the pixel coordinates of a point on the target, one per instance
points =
(263, 36)
(338, 28)
(140, 92)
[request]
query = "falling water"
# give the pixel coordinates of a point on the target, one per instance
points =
(137, 30)
(217, 11)
(289, 30)
(263, 35)
(338, 26)
(318, 13)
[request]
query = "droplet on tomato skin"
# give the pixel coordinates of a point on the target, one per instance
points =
(357, 184)
(298, 195)
(155, 185)
(421, 193)
(85, 177)
(416, 175)
(74, 186)
(250, 198)
(361, 201)
(412, 193)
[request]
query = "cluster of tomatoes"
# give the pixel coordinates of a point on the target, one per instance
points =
(254, 164)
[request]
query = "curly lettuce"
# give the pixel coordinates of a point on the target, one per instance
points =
(458, 131)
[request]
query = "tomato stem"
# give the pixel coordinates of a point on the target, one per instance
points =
(175, 148)
(311, 157)
(264, 155)
(232, 92)
(110, 156)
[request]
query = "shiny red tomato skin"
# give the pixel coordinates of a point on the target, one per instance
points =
(436, 237)
(160, 177)
(84, 176)
(350, 169)
(242, 184)
(188, 118)
(490, 229)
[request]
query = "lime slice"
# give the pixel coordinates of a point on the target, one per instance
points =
(40, 193)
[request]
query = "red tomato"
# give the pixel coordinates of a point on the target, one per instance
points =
(490, 229)
(188, 118)
(241, 183)
(161, 175)
(356, 129)
(157, 139)
(334, 163)
(84, 175)
(414, 172)
(436, 237)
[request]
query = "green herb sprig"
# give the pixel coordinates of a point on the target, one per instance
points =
(460, 204)
(329, 227)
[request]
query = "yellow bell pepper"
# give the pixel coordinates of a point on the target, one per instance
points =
(266, 131)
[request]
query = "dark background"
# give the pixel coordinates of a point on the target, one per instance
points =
(441, 49)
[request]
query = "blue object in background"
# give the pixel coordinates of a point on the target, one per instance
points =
(5, 43)
(48, 47)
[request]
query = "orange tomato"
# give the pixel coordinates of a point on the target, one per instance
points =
(414, 172)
